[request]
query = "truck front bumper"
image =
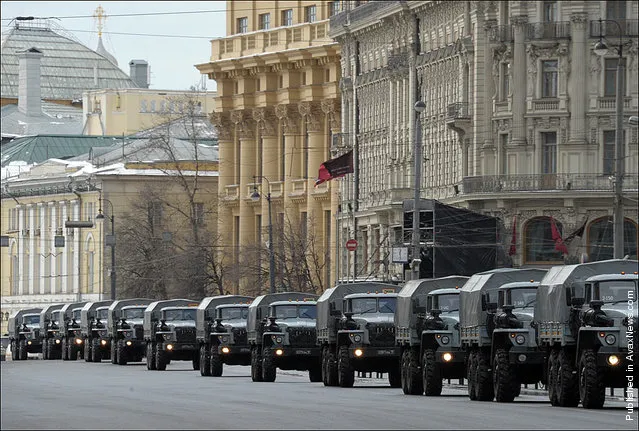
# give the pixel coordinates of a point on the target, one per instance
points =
(360, 352)
(228, 350)
(525, 357)
(177, 347)
(287, 351)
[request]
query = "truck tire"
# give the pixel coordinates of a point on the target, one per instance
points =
(14, 351)
(88, 357)
(205, 361)
(345, 371)
(217, 365)
(329, 369)
(315, 373)
(63, 350)
(483, 378)
(45, 350)
(114, 351)
(269, 370)
(150, 356)
(121, 353)
(471, 372)
(395, 377)
(503, 380)
(22, 350)
(161, 359)
(551, 384)
(431, 374)
(592, 388)
(196, 361)
(567, 381)
(96, 351)
(73, 351)
(256, 364)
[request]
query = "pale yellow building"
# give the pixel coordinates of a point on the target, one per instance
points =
(277, 112)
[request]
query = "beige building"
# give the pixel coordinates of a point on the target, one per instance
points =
(277, 112)
(519, 120)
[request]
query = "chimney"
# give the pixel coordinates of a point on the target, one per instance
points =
(139, 73)
(29, 94)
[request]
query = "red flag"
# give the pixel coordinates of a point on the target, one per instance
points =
(556, 236)
(513, 241)
(335, 168)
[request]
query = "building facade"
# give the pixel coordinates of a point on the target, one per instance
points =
(519, 122)
(277, 111)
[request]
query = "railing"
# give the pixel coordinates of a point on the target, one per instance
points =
(546, 105)
(501, 33)
(298, 187)
(232, 191)
(364, 11)
(545, 182)
(456, 111)
(629, 27)
(50, 190)
(611, 103)
(548, 30)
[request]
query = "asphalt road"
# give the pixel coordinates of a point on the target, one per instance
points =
(39, 394)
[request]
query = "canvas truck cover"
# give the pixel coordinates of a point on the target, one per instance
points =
(335, 295)
(154, 311)
(206, 309)
(45, 314)
(115, 310)
(65, 313)
(16, 317)
(470, 312)
(88, 311)
(415, 291)
(550, 305)
(259, 306)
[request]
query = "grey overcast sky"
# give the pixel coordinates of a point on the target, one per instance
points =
(171, 59)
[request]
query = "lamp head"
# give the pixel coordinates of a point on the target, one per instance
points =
(100, 216)
(601, 48)
(420, 106)
(255, 195)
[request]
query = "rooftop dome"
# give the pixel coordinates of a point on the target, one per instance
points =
(68, 67)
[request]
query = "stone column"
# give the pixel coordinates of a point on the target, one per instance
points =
(44, 236)
(21, 249)
(77, 247)
(53, 258)
(267, 126)
(290, 121)
(489, 81)
(331, 108)
(64, 276)
(247, 171)
(577, 85)
(519, 86)
(32, 247)
(315, 126)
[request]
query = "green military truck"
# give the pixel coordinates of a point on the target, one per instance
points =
(70, 317)
(478, 305)
(356, 332)
(93, 329)
(427, 331)
(125, 330)
(169, 332)
(50, 330)
(221, 333)
(281, 332)
(24, 333)
(584, 327)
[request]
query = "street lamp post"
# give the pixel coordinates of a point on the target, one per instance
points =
(101, 216)
(601, 49)
(417, 162)
(271, 256)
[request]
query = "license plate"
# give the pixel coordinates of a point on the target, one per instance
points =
(384, 352)
(188, 346)
(245, 350)
(303, 352)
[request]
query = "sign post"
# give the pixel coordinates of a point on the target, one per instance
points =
(351, 245)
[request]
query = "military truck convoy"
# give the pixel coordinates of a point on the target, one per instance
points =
(566, 328)
(221, 333)
(356, 332)
(281, 333)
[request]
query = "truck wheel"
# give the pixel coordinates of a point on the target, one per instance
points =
(269, 370)
(217, 365)
(161, 359)
(484, 379)
(150, 355)
(551, 383)
(196, 360)
(315, 374)
(431, 374)
(256, 364)
(205, 361)
(395, 377)
(121, 353)
(329, 369)
(63, 350)
(345, 371)
(114, 352)
(503, 380)
(471, 370)
(592, 389)
(567, 381)
(14, 351)
(45, 350)
(73, 350)
(22, 350)
(412, 383)
(87, 350)
(96, 351)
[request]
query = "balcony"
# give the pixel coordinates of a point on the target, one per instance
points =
(500, 33)
(548, 30)
(369, 11)
(629, 27)
(545, 105)
(458, 117)
(493, 184)
(610, 103)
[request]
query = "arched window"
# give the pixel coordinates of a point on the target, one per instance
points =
(601, 239)
(538, 243)
(15, 270)
(90, 252)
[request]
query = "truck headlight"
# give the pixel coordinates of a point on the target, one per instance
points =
(103, 342)
(224, 338)
(78, 341)
(613, 360)
(357, 338)
(610, 339)
(445, 339)
(359, 352)
(279, 352)
(29, 342)
(128, 343)
(278, 339)
(520, 339)
(225, 350)
(447, 357)
(168, 336)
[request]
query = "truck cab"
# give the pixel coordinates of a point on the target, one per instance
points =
(228, 338)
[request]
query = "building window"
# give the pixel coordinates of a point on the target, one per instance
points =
(505, 81)
(311, 13)
(152, 105)
(549, 78)
(610, 77)
(539, 244)
(144, 106)
(90, 272)
(503, 143)
(549, 152)
(609, 152)
(616, 9)
(242, 25)
(333, 8)
(198, 213)
(265, 21)
(155, 215)
(287, 17)
(550, 11)
(601, 239)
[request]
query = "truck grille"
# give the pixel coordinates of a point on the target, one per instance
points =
(185, 335)
(239, 336)
(381, 335)
(139, 332)
(302, 337)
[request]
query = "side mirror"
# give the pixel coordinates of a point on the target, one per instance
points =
(568, 296)
(491, 306)
(336, 313)
(348, 315)
(596, 304)
(508, 308)
(578, 302)
(435, 312)
(419, 310)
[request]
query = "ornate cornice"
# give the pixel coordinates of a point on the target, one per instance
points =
(266, 120)
(223, 125)
(288, 117)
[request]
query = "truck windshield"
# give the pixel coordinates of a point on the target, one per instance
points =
(55, 316)
(33, 319)
(179, 314)
(387, 305)
(616, 290)
(133, 313)
(232, 313)
(308, 311)
(522, 298)
(75, 314)
(447, 302)
(373, 305)
(102, 314)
